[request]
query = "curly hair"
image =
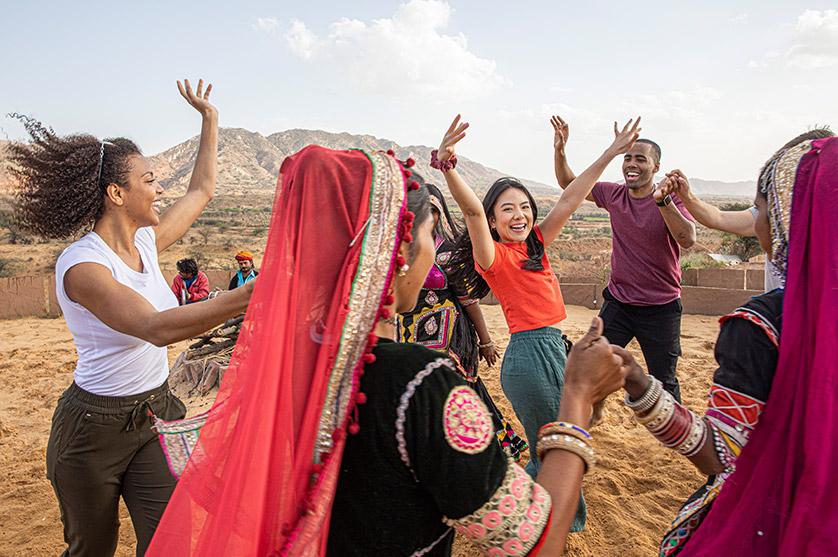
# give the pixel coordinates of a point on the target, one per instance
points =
(188, 266)
(60, 188)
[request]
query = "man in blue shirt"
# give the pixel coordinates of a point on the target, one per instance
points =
(246, 273)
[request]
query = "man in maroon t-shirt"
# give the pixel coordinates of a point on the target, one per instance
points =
(643, 297)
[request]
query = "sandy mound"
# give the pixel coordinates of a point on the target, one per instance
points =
(632, 495)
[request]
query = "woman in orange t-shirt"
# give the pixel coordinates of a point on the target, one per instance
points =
(504, 250)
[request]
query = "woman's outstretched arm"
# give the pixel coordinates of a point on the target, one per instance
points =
(179, 217)
(470, 205)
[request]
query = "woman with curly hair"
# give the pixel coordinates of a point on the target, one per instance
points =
(121, 313)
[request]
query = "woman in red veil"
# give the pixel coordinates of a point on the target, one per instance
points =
(329, 438)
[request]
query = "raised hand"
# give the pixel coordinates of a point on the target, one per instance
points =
(561, 133)
(679, 184)
(624, 139)
(199, 99)
(456, 131)
(593, 370)
(665, 187)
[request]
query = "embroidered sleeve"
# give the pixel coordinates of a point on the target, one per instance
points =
(446, 440)
(514, 518)
(747, 355)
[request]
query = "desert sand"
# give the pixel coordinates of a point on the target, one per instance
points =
(632, 495)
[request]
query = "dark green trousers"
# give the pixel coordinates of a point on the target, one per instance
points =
(100, 449)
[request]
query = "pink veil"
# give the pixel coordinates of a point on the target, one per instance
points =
(783, 497)
(262, 477)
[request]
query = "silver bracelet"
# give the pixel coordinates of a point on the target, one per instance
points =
(489, 344)
(648, 399)
(659, 417)
(696, 439)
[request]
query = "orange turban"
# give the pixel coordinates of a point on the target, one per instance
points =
(244, 256)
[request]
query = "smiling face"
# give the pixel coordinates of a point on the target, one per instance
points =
(512, 215)
(139, 197)
(640, 166)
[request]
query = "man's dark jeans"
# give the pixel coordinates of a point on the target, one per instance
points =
(657, 329)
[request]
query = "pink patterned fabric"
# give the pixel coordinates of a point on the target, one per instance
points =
(781, 500)
(466, 421)
(513, 521)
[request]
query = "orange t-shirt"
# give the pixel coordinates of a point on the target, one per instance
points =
(530, 299)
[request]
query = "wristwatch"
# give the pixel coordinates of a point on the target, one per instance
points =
(664, 202)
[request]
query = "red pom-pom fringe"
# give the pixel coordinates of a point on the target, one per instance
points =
(407, 173)
(360, 398)
(354, 429)
(372, 339)
(409, 216)
(369, 358)
(407, 238)
(389, 300)
(385, 313)
(400, 261)
(409, 162)
(391, 152)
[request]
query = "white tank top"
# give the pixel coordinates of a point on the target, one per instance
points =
(111, 363)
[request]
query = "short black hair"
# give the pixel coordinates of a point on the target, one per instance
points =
(188, 266)
(656, 149)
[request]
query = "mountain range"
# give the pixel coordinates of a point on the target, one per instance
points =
(248, 162)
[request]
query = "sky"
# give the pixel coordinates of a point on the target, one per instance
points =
(720, 84)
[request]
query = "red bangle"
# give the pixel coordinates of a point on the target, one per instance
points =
(444, 166)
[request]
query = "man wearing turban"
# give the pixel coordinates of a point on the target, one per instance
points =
(246, 272)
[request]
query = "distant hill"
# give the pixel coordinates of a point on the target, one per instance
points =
(746, 188)
(249, 161)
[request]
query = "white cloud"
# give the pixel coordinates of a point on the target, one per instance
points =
(302, 42)
(739, 18)
(267, 24)
(815, 43)
(404, 56)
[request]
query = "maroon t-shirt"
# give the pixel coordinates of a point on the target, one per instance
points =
(645, 270)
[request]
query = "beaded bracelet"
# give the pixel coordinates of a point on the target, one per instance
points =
(443, 166)
(566, 428)
(648, 399)
(570, 444)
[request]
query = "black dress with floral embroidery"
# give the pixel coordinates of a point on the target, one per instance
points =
(425, 463)
(439, 322)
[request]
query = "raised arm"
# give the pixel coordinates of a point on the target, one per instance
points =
(176, 221)
(564, 175)
(681, 228)
(126, 311)
(470, 205)
(580, 188)
(740, 223)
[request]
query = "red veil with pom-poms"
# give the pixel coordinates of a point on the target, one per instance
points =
(263, 475)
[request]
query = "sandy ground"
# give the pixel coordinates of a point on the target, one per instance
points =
(632, 495)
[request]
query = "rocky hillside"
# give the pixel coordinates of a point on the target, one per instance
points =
(250, 161)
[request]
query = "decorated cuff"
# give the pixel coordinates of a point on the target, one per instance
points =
(512, 521)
